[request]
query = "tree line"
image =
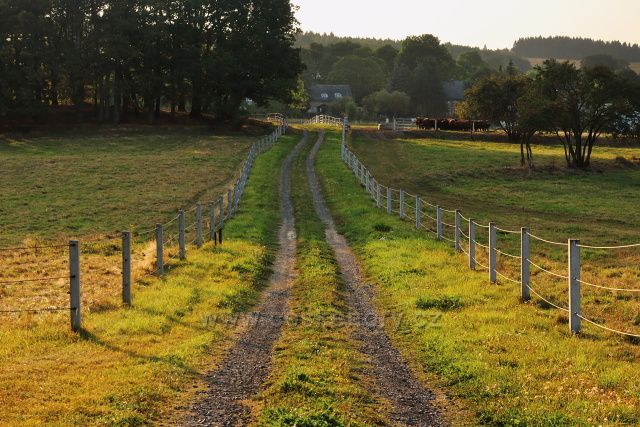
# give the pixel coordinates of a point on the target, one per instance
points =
(576, 104)
(399, 78)
(126, 57)
(574, 48)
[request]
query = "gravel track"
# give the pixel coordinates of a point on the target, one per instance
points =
(246, 366)
(412, 404)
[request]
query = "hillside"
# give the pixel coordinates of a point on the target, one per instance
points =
(574, 48)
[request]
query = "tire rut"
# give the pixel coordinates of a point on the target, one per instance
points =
(247, 364)
(412, 404)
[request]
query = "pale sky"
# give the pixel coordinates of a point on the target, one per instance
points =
(496, 23)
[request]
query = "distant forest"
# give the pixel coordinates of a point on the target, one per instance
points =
(495, 58)
(574, 48)
(306, 39)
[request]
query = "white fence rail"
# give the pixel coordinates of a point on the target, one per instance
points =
(431, 218)
(220, 210)
(325, 120)
(404, 124)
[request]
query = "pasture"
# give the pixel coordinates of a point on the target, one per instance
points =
(91, 187)
(510, 363)
(137, 365)
(485, 181)
(85, 184)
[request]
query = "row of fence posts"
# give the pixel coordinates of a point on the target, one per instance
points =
(374, 188)
(215, 233)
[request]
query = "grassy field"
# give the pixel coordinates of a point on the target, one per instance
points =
(483, 179)
(87, 186)
(510, 363)
(319, 376)
(83, 185)
(133, 366)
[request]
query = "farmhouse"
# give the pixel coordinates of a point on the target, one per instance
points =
(320, 96)
(454, 93)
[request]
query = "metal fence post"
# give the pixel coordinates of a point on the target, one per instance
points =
(389, 201)
(401, 204)
(472, 244)
(574, 286)
(126, 267)
(199, 225)
(212, 223)
(182, 251)
(458, 236)
(524, 265)
(159, 250)
(492, 252)
(439, 222)
(74, 286)
(418, 213)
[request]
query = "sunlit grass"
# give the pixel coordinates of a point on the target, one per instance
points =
(510, 363)
(138, 365)
(85, 185)
(318, 377)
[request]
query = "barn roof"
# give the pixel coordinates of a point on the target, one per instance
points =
(454, 90)
(316, 92)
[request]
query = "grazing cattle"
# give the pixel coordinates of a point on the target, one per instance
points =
(452, 124)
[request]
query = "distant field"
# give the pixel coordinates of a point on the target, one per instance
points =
(84, 184)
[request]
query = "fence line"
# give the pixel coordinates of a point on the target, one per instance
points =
(574, 281)
(325, 120)
(219, 212)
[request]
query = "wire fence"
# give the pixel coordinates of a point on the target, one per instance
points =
(409, 206)
(170, 240)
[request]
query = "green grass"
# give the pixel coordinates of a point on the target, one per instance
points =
(599, 206)
(485, 181)
(135, 366)
(509, 363)
(319, 377)
(84, 185)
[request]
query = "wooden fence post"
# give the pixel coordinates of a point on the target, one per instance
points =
(525, 267)
(458, 235)
(159, 250)
(574, 286)
(182, 247)
(389, 201)
(378, 196)
(439, 222)
(401, 203)
(221, 211)
(212, 223)
(472, 244)
(199, 225)
(418, 213)
(229, 203)
(492, 253)
(126, 267)
(74, 286)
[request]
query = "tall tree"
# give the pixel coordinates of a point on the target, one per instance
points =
(586, 103)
